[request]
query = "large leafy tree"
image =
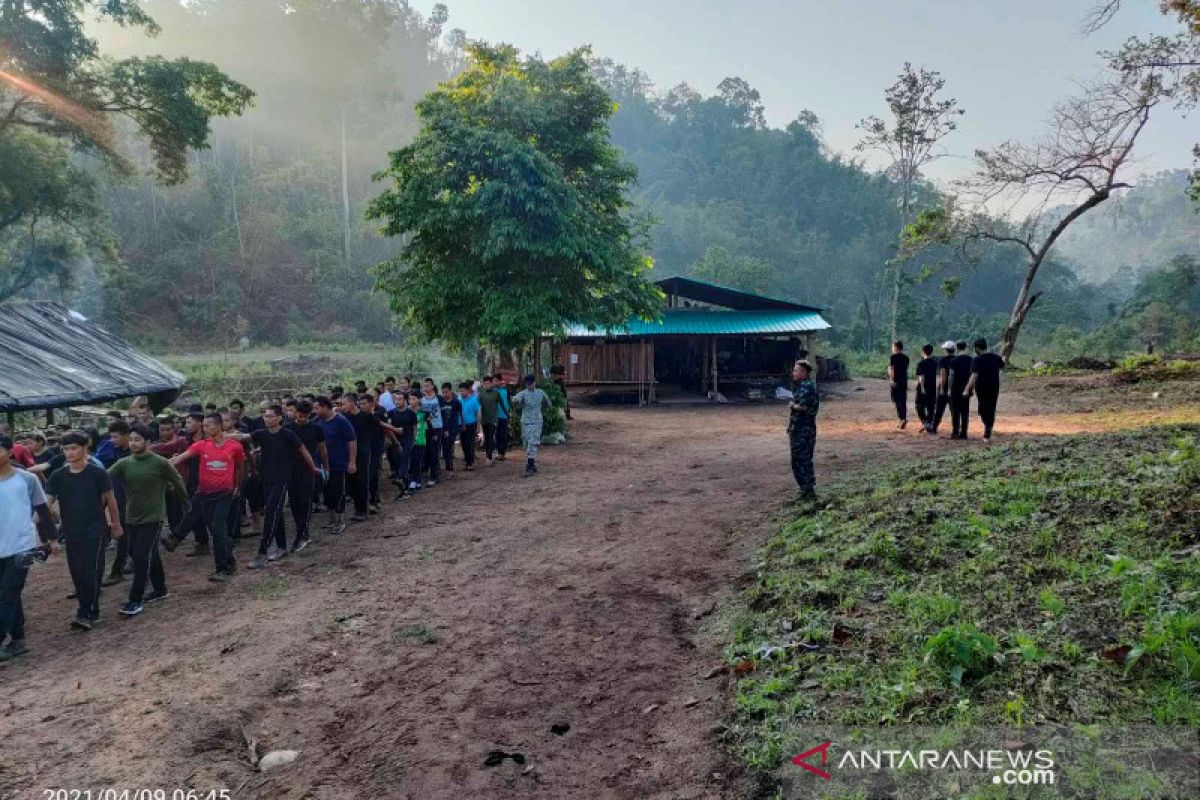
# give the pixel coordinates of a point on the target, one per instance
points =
(60, 97)
(514, 207)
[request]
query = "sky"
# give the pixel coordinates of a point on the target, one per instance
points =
(1007, 61)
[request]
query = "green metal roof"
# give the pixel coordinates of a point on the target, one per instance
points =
(691, 322)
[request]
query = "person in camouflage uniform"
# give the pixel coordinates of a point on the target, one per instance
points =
(802, 426)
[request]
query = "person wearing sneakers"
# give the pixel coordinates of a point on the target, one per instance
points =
(960, 400)
(451, 426)
(943, 384)
(89, 514)
(926, 395)
(489, 415)
(281, 453)
(985, 384)
(341, 442)
(148, 479)
(502, 412)
(417, 457)
(222, 463)
(21, 499)
(469, 405)
(533, 403)
(897, 373)
(305, 485)
(431, 404)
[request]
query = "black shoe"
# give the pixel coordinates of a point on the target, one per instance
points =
(156, 595)
(170, 543)
(81, 624)
(131, 609)
(13, 649)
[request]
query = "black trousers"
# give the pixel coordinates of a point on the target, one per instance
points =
(467, 437)
(926, 405)
(192, 522)
(900, 399)
(502, 436)
(943, 401)
(449, 438)
(433, 452)
(335, 491)
(374, 475)
(986, 403)
(300, 496)
(416, 458)
(122, 550)
(489, 439)
(275, 497)
(358, 485)
(215, 511)
(960, 412)
(147, 563)
(13, 571)
(85, 561)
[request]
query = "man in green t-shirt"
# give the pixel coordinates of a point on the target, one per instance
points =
(489, 415)
(148, 477)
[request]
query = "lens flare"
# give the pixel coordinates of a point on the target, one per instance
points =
(92, 123)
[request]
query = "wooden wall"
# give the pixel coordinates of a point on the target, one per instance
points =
(614, 362)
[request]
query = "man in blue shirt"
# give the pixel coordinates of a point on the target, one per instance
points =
(341, 443)
(470, 422)
(502, 411)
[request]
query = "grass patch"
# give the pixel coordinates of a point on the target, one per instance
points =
(1055, 581)
(271, 587)
(418, 633)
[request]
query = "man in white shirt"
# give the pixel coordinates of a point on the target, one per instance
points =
(21, 497)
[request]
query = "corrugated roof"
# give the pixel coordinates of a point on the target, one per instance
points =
(51, 357)
(685, 322)
(727, 296)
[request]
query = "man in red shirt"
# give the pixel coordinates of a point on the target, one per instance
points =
(222, 462)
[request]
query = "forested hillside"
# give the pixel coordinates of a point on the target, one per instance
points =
(266, 239)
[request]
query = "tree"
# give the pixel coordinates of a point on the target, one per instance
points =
(919, 122)
(1082, 160)
(56, 88)
(1167, 65)
(747, 273)
(513, 205)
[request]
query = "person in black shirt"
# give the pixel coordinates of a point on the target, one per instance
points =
(404, 422)
(926, 396)
(960, 401)
(451, 425)
(377, 431)
(281, 454)
(943, 384)
(985, 383)
(89, 514)
(118, 437)
(305, 485)
(898, 381)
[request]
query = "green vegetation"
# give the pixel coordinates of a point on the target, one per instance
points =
(421, 634)
(1052, 581)
(514, 207)
(257, 374)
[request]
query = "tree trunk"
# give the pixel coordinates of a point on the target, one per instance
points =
(345, 192)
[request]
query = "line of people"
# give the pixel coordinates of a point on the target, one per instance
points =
(302, 455)
(948, 382)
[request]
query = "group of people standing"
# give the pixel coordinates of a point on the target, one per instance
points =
(201, 473)
(948, 382)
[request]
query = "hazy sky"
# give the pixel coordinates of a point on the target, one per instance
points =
(1006, 61)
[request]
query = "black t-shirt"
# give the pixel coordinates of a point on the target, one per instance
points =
(277, 454)
(406, 420)
(899, 365)
(944, 363)
(927, 368)
(48, 455)
(451, 413)
(960, 372)
(311, 436)
(378, 434)
(80, 503)
(987, 366)
(366, 428)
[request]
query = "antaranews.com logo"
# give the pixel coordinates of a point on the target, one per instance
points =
(916, 763)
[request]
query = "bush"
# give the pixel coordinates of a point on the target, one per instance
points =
(554, 420)
(1154, 368)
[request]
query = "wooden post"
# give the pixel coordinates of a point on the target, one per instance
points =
(49, 417)
(715, 383)
(537, 357)
(653, 397)
(12, 423)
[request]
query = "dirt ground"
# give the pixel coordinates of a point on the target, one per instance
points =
(473, 618)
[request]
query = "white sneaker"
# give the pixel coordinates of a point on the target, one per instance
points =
(274, 554)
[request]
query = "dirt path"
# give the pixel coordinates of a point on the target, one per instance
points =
(580, 597)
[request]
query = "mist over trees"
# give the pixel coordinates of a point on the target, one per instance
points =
(267, 238)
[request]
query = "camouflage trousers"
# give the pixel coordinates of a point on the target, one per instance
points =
(531, 435)
(803, 439)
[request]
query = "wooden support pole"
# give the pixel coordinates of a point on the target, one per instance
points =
(715, 384)
(12, 423)
(653, 395)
